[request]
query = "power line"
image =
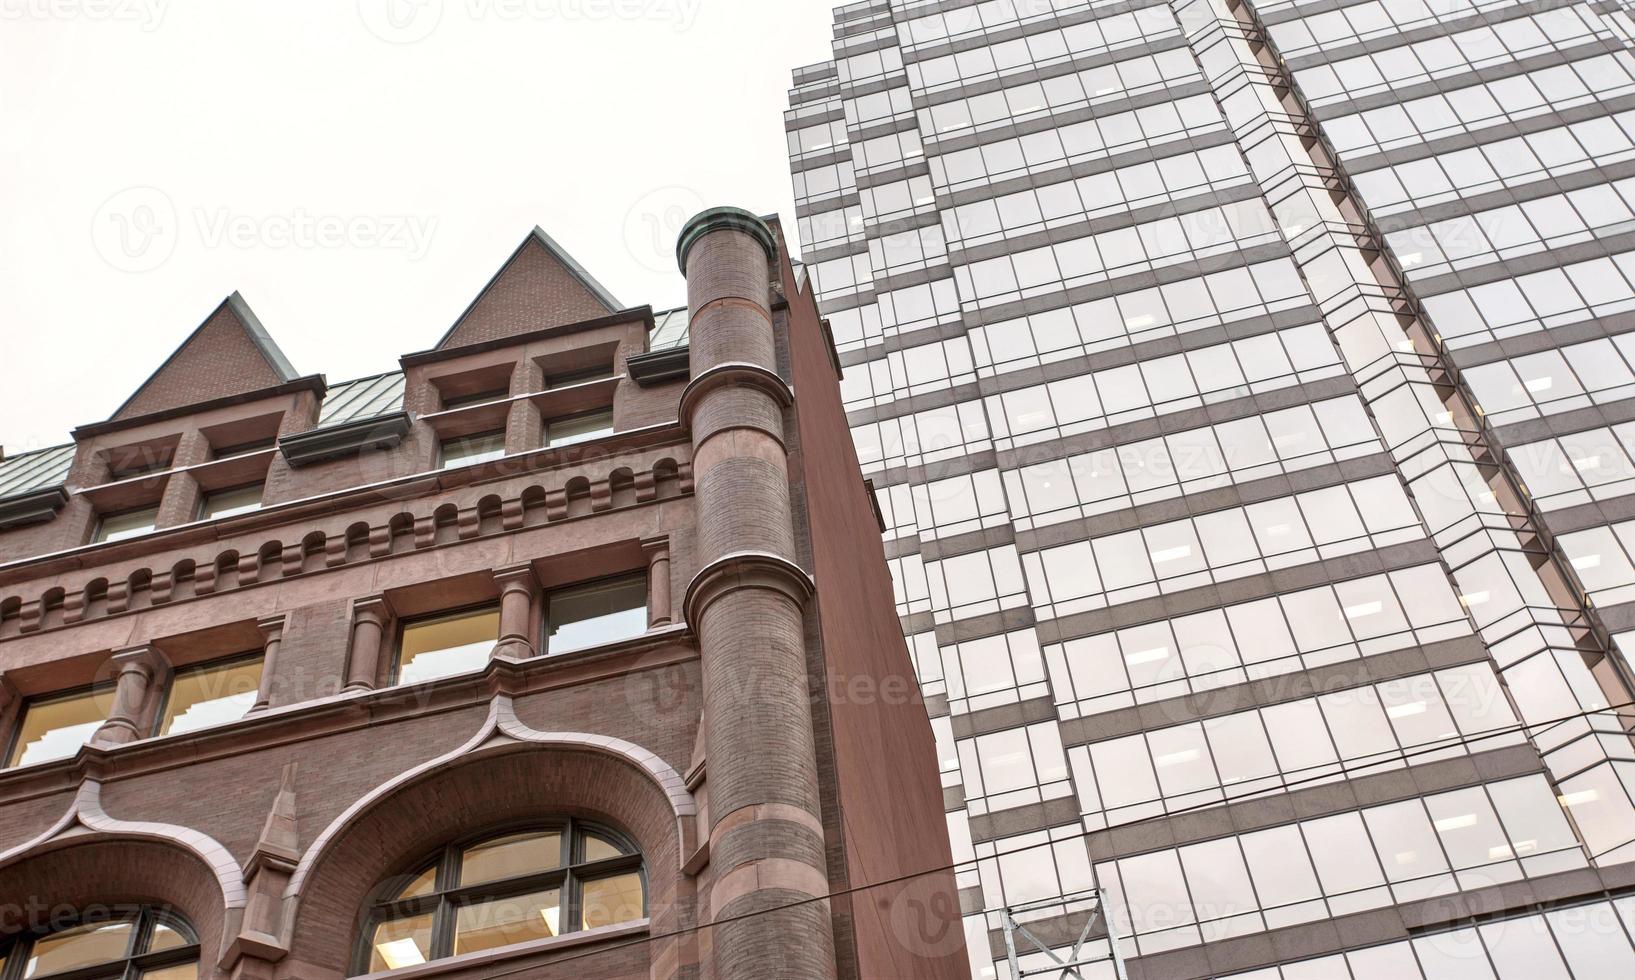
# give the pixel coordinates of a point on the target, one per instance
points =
(957, 865)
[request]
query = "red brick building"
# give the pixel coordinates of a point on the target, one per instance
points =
(567, 651)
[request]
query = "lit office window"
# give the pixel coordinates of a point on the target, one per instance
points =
(440, 646)
(211, 694)
(55, 727)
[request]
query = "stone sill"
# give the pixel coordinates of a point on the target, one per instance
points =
(466, 961)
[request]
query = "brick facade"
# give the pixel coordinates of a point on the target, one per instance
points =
(724, 741)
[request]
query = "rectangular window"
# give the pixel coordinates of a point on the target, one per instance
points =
(452, 402)
(130, 524)
(570, 378)
(579, 428)
(597, 613)
(55, 727)
(466, 450)
(441, 646)
(211, 694)
(228, 503)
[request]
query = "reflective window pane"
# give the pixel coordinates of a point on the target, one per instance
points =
(55, 728)
(601, 612)
(447, 645)
(210, 695)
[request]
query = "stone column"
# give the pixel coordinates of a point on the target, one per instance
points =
(369, 618)
(129, 719)
(746, 605)
(657, 551)
(272, 637)
(518, 587)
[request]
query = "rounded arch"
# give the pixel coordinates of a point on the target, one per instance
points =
(89, 860)
(507, 774)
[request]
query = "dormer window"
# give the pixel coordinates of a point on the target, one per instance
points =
(479, 398)
(579, 428)
(479, 448)
(229, 503)
(129, 524)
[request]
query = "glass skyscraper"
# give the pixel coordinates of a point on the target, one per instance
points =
(1248, 387)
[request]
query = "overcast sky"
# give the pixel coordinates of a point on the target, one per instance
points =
(357, 169)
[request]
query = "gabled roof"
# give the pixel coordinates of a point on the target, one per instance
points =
(228, 354)
(510, 302)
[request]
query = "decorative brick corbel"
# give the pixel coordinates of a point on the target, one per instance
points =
(556, 505)
(425, 532)
(119, 596)
(335, 550)
(468, 523)
(380, 541)
(161, 587)
(601, 496)
(30, 616)
(512, 514)
(293, 558)
(73, 607)
(647, 486)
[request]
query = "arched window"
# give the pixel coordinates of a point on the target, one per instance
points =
(521, 884)
(117, 943)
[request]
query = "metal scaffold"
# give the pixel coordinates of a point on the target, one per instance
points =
(1092, 904)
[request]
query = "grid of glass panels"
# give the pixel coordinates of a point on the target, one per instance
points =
(1073, 333)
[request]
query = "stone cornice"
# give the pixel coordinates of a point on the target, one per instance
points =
(660, 470)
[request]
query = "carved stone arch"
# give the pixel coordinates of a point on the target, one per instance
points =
(622, 486)
(667, 478)
(504, 774)
(533, 504)
(89, 859)
(578, 493)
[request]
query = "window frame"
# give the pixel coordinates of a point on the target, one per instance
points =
(102, 519)
(404, 623)
(29, 702)
(443, 462)
(229, 660)
(551, 443)
(636, 575)
(132, 966)
(445, 901)
(204, 501)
